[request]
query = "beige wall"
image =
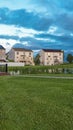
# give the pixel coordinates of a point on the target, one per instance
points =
(51, 58)
(2, 54)
(11, 55)
(22, 56)
(42, 57)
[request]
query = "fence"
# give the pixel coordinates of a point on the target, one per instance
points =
(13, 63)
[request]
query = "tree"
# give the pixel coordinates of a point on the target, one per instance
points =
(69, 58)
(37, 59)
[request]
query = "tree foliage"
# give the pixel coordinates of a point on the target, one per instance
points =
(37, 59)
(69, 58)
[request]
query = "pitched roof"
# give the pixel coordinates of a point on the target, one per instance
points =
(52, 50)
(21, 49)
(1, 47)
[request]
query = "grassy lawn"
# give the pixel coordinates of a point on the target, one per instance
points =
(36, 104)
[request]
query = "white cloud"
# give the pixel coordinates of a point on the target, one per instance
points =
(24, 32)
(68, 51)
(36, 52)
(71, 34)
(4, 42)
(59, 34)
(45, 39)
(29, 5)
(26, 44)
(12, 30)
(52, 29)
(14, 4)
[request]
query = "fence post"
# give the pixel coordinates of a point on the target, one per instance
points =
(6, 68)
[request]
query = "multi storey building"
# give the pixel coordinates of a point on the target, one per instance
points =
(21, 55)
(51, 57)
(2, 54)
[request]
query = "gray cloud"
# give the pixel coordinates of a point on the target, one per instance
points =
(24, 19)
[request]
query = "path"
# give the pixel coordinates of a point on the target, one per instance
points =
(46, 77)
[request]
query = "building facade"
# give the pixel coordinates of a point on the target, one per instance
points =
(21, 55)
(51, 57)
(2, 54)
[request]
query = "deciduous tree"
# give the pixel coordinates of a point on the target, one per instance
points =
(69, 58)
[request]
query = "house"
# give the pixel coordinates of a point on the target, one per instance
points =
(2, 54)
(51, 57)
(21, 55)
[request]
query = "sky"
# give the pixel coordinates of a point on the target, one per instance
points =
(37, 24)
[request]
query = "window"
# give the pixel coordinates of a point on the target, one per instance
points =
(55, 56)
(24, 57)
(29, 53)
(59, 54)
(17, 52)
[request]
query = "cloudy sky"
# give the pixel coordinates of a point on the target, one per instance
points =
(37, 24)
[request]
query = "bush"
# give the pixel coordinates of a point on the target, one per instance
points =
(42, 69)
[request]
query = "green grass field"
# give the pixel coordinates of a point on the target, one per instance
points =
(36, 104)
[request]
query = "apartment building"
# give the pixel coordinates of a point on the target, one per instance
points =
(21, 55)
(2, 54)
(51, 57)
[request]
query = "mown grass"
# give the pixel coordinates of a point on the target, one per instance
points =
(36, 104)
(51, 75)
